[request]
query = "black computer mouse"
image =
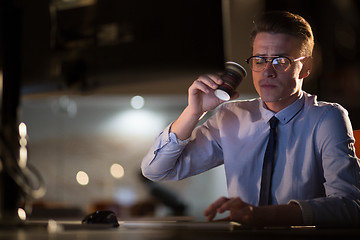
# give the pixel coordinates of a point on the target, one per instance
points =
(102, 217)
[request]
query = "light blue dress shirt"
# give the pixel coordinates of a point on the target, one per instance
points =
(315, 162)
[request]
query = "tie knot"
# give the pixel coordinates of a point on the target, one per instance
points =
(273, 122)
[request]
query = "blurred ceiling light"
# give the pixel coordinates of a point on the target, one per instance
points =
(82, 178)
(23, 156)
(23, 142)
(135, 122)
(137, 102)
(22, 130)
(22, 214)
(117, 171)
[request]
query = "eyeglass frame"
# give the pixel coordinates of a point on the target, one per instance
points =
(271, 59)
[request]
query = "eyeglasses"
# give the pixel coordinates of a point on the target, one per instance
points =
(279, 63)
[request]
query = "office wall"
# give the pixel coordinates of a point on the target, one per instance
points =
(68, 134)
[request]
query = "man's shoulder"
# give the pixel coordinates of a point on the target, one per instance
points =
(314, 105)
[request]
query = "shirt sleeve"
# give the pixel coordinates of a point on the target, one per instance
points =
(155, 166)
(306, 211)
(335, 143)
(171, 159)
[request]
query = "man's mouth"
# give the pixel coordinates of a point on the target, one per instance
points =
(267, 85)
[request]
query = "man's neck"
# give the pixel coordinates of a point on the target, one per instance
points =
(281, 104)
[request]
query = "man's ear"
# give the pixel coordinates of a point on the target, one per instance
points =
(307, 67)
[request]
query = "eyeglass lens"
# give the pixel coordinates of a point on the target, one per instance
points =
(280, 64)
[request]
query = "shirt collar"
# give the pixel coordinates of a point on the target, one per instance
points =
(287, 113)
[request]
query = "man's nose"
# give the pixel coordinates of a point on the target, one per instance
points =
(269, 70)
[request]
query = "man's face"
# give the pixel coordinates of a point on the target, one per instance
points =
(278, 89)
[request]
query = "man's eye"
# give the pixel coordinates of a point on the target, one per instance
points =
(281, 61)
(258, 61)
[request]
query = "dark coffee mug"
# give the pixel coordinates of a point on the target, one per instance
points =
(233, 75)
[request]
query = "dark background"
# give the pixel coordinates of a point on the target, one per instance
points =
(61, 47)
(64, 48)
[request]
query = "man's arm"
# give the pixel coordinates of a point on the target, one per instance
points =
(201, 98)
(341, 167)
(162, 159)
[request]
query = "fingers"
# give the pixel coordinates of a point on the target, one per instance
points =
(211, 211)
(235, 205)
(206, 83)
(212, 80)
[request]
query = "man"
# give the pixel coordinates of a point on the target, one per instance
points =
(315, 173)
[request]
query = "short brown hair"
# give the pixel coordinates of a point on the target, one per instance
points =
(285, 22)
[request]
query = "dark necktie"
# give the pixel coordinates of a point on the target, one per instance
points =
(265, 189)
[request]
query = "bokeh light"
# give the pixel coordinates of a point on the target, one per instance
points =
(137, 102)
(82, 178)
(117, 171)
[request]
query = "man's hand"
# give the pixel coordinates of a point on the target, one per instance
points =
(244, 213)
(201, 98)
(239, 210)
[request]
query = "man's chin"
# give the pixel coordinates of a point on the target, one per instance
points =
(270, 99)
